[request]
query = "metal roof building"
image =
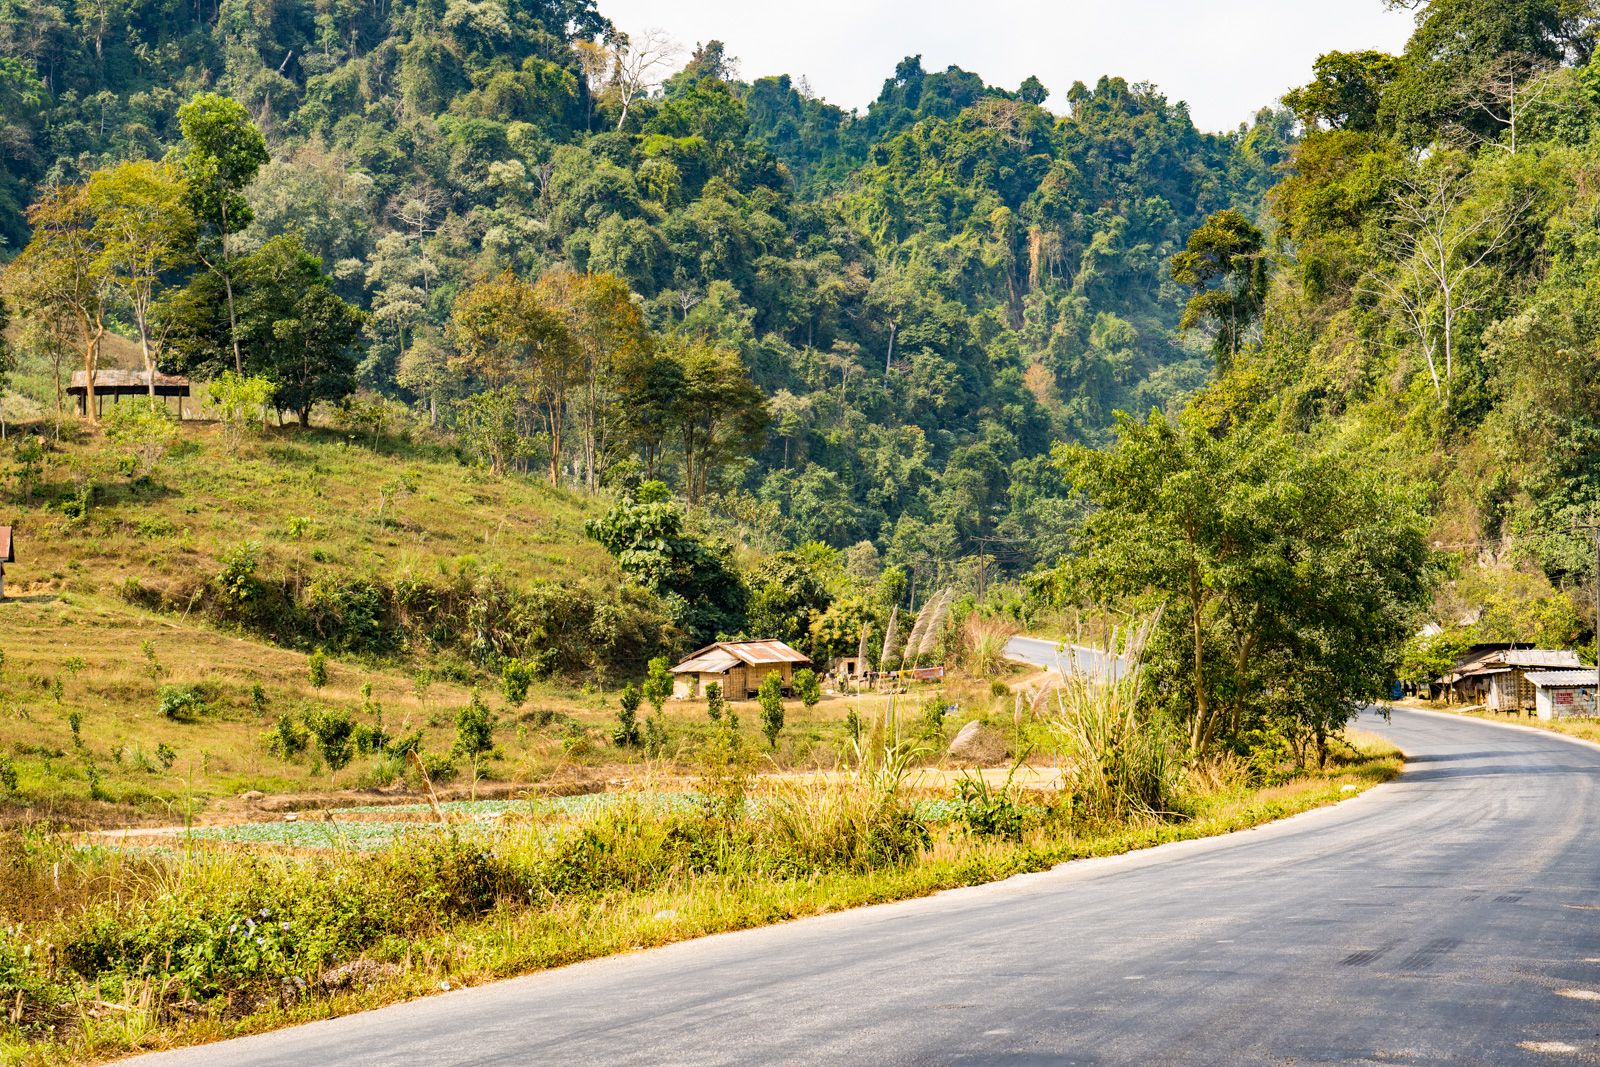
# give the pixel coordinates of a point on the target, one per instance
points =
(1564, 694)
(738, 667)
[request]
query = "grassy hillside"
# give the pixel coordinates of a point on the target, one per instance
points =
(75, 644)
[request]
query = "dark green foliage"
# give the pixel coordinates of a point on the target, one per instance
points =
(715, 705)
(292, 327)
(8, 776)
(1225, 266)
(183, 703)
(770, 696)
(1288, 583)
(334, 732)
(696, 579)
(627, 733)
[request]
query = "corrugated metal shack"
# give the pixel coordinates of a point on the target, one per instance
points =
(1496, 676)
(1563, 694)
(737, 666)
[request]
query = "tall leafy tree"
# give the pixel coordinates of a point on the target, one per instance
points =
(1225, 267)
(60, 277)
(224, 150)
(145, 230)
(1288, 583)
(721, 414)
(508, 337)
(612, 342)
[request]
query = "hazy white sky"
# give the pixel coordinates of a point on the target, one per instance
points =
(1225, 57)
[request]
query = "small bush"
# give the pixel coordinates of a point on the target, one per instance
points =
(807, 688)
(627, 732)
(287, 738)
(184, 703)
(516, 675)
(8, 776)
(986, 811)
(317, 669)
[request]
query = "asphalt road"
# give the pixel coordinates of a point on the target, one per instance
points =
(1450, 917)
(1043, 653)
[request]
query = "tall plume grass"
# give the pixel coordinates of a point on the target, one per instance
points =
(1118, 763)
(984, 643)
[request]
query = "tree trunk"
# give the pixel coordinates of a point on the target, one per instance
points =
(91, 364)
(233, 320)
(144, 348)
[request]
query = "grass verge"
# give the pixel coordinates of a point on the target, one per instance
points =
(108, 953)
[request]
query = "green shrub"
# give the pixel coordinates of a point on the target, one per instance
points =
(770, 697)
(807, 688)
(516, 675)
(317, 669)
(349, 614)
(334, 732)
(32, 1002)
(287, 738)
(627, 733)
(986, 811)
(184, 703)
(8, 776)
(145, 431)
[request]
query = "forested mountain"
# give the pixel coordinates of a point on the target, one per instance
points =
(927, 295)
(1431, 303)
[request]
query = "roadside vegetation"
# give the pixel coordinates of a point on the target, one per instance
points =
(108, 948)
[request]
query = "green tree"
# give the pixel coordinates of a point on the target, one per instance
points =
(145, 229)
(658, 683)
(627, 733)
(317, 668)
(59, 276)
(715, 705)
(644, 532)
(333, 730)
(770, 696)
(224, 152)
(1225, 267)
(611, 342)
(475, 726)
(1288, 582)
(508, 338)
(1346, 93)
(807, 688)
(721, 414)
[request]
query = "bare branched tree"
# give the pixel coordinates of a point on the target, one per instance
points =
(638, 66)
(1440, 242)
(1503, 93)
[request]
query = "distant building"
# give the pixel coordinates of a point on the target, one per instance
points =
(738, 667)
(1496, 675)
(117, 383)
(1563, 694)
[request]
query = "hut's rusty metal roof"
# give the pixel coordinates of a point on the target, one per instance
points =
(1502, 660)
(714, 659)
